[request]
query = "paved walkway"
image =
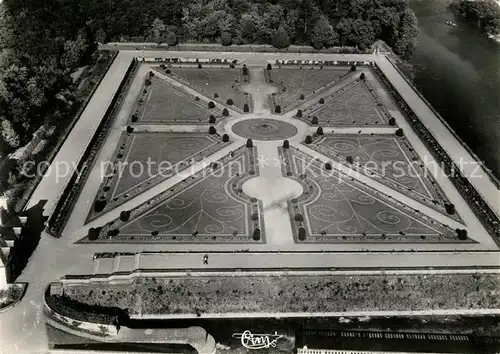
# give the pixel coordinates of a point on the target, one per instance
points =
(54, 181)
(287, 262)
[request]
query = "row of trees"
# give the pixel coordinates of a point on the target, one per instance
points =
(485, 14)
(321, 23)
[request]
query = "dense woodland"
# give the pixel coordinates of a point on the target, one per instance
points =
(44, 41)
(484, 14)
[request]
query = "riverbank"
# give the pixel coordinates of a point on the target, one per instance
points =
(457, 71)
(483, 14)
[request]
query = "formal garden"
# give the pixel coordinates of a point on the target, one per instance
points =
(207, 207)
(160, 102)
(224, 85)
(339, 208)
(354, 104)
(144, 159)
(296, 85)
(390, 159)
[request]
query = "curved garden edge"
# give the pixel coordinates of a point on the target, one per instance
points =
(91, 330)
(197, 337)
(23, 287)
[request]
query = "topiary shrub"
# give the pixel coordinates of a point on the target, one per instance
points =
(151, 74)
(400, 132)
(256, 235)
(99, 205)
(229, 102)
(225, 112)
(212, 130)
(255, 217)
(319, 131)
(147, 82)
(328, 166)
(309, 139)
(249, 143)
(269, 66)
(216, 95)
(353, 68)
(314, 120)
(199, 66)
(286, 144)
(302, 96)
(225, 138)
(168, 71)
(277, 109)
(349, 159)
(362, 76)
(299, 217)
(212, 119)
(134, 118)
(321, 100)
(392, 121)
(211, 105)
(462, 234)
(246, 108)
(299, 113)
(244, 70)
(302, 234)
(130, 129)
(93, 233)
(154, 233)
(113, 232)
(196, 98)
(124, 215)
(450, 208)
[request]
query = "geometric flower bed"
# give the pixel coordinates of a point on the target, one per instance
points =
(297, 85)
(338, 208)
(142, 160)
(218, 84)
(352, 105)
(391, 160)
(294, 293)
(164, 103)
(208, 207)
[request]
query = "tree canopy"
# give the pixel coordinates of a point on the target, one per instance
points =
(485, 14)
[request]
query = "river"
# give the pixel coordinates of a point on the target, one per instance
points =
(458, 70)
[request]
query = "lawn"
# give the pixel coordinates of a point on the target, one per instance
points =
(353, 104)
(219, 84)
(339, 208)
(296, 85)
(145, 159)
(294, 293)
(163, 103)
(390, 158)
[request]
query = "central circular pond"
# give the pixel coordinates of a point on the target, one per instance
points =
(264, 129)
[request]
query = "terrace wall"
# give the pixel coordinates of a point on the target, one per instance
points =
(98, 329)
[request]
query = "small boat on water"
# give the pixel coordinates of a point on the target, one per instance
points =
(453, 24)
